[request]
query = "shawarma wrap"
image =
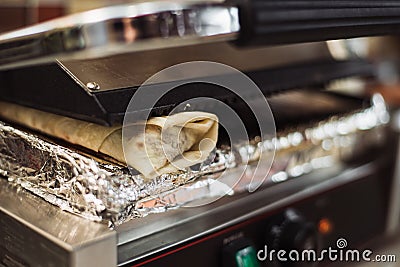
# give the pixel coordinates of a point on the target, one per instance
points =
(159, 145)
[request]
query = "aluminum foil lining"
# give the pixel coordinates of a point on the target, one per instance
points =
(106, 192)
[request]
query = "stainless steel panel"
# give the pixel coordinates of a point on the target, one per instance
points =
(36, 232)
(140, 238)
(119, 29)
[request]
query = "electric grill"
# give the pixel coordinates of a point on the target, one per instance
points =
(330, 160)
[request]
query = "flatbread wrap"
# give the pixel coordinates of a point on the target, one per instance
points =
(167, 144)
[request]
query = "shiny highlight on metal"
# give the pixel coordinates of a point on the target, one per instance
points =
(119, 29)
(102, 191)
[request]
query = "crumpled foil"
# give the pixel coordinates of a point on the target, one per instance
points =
(90, 188)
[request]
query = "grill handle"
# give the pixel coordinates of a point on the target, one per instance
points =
(265, 22)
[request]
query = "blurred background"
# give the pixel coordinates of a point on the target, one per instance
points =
(18, 13)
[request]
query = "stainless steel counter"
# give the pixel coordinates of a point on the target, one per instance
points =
(29, 226)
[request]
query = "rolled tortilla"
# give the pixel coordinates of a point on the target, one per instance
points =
(168, 143)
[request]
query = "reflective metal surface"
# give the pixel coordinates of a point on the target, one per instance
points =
(46, 230)
(147, 235)
(29, 226)
(119, 29)
(97, 190)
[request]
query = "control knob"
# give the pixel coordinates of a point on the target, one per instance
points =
(293, 239)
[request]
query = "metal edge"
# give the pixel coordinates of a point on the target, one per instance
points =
(339, 180)
(12, 212)
(112, 30)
